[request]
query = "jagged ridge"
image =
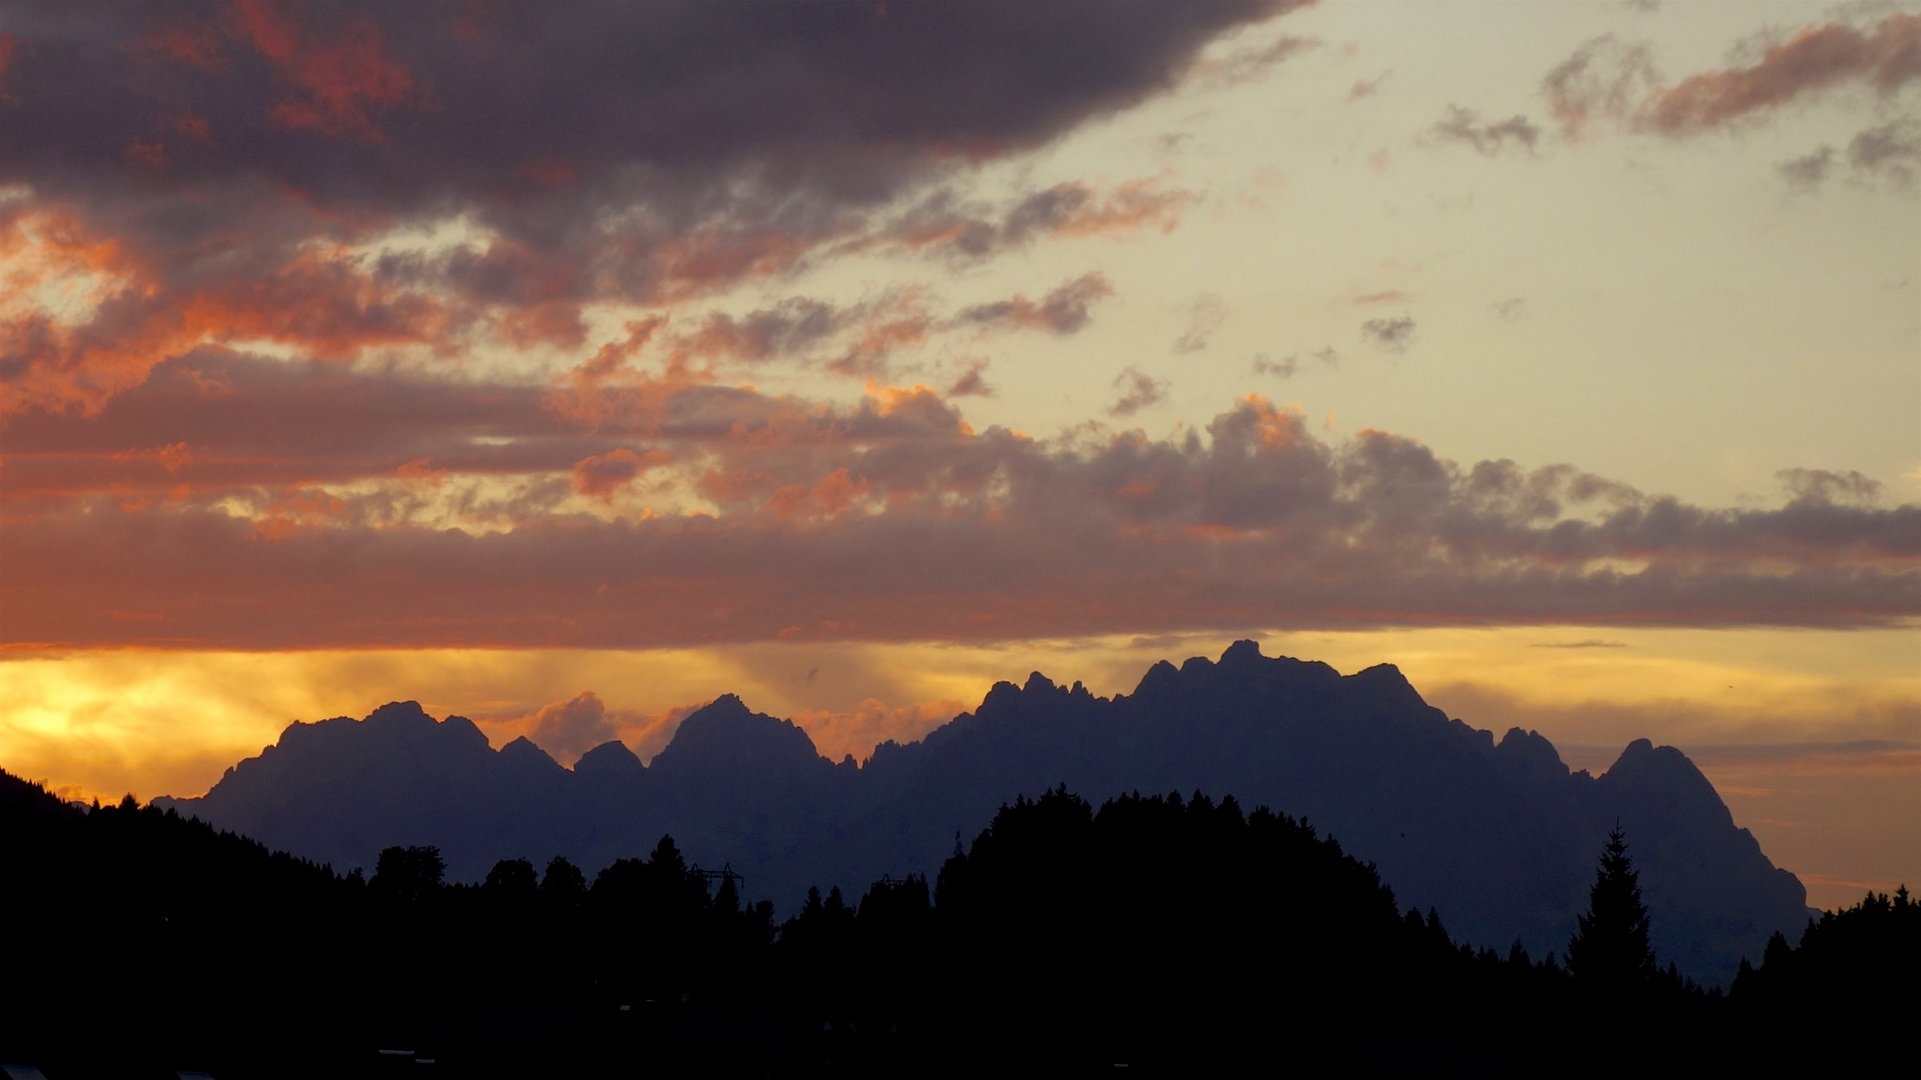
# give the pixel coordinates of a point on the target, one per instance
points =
(1499, 836)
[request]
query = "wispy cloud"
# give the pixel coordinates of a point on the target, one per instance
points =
(1139, 390)
(1489, 137)
(1393, 334)
(1204, 316)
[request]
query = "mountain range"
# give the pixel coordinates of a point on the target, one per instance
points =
(1498, 836)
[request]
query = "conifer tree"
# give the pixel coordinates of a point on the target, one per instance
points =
(1610, 951)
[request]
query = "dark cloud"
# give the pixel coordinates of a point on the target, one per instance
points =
(1394, 335)
(1512, 309)
(838, 97)
(1139, 390)
(1465, 126)
(245, 151)
(1589, 643)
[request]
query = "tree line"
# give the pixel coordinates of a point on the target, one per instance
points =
(1160, 932)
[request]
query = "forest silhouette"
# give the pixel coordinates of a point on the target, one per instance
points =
(1160, 932)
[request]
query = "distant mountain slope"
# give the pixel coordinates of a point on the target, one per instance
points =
(1497, 835)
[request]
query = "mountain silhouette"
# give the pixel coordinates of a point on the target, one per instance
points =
(1499, 836)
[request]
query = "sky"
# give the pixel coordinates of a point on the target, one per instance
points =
(565, 367)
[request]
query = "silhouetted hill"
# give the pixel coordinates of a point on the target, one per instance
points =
(1169, 934)
(126, 926)
(1499, 836)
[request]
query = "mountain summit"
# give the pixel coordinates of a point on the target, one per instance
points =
(1499, 837)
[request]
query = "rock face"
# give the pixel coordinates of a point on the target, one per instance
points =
(1499, 837)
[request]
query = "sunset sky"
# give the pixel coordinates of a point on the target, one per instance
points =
(566, 366)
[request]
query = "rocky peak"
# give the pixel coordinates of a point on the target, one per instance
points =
(610, 759)
(1242, 655)
(1531, 751)
(523, 752)
(726, 736)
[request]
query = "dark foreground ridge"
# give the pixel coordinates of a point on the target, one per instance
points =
(1498, 835)
(1172, 936)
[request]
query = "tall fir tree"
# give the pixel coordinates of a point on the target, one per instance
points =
(1610, 951)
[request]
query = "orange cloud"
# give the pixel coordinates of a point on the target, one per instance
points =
(45, 253)
(1607, 77)
(554, 323)
(858, 731)
(568, 729)
(919, 404)
(172, 457)
(339, 80)
(830, 497)
(1815, 58)
(321, 302)
(126, 320)
(294, 513)
(422, 470)
(608, 391)
(904, 325)
(886, 518)
(605, 475)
